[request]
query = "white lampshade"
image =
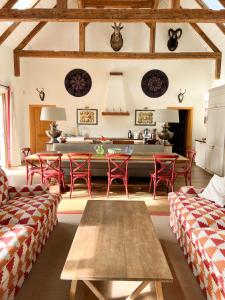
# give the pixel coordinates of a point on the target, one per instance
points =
(50, 113)
(167, 116)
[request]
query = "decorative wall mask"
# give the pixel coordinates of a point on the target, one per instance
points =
(181, 96)
(116, 40)
(41, 94)
(154, 83)
(78, 83)
(174, 36)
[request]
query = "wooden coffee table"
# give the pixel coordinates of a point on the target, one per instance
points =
(115, 241)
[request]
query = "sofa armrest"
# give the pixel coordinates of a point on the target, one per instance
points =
(190, 191)
(27, 191)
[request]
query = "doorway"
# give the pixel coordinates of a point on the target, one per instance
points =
(182, 138)
(38, 137)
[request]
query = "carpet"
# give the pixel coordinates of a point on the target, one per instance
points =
(44, 280)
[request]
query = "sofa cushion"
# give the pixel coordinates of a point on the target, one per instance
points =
(210, 243)
(3, 187)
(215, 190)
(196, 212)
(14, 243)
(31, 211)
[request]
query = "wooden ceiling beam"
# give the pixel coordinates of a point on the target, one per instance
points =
(8, 31)
(111, 15)
(30, 36)
(175, 4)
(9, 4)
(152, 38)
(82, 37)
(202, 4)
(61, 4)
(117, 55)
(222, 2)
(205, 37)
(13, 26)
(118, 3)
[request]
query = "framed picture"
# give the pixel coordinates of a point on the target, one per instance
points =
(87, 116)
(145, 117)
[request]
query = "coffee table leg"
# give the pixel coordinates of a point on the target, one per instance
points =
(138, 290)
(73, 288)
(159, 292)
(94, 290)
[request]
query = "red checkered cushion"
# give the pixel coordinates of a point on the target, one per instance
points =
(27, 191)
(3, 187)
(211, 245)
(31, 211)
(190, 191)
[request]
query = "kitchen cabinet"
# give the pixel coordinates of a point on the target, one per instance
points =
(215, 140)
(200, 148)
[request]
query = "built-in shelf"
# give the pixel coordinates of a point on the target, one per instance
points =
(115, 113)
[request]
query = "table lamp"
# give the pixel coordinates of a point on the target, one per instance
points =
(50, 113)
(166, 116)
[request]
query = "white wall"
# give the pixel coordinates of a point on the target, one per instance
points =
(50, 74)
(196, 76)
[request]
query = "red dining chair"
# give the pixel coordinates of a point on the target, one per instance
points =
(51, 167)
(164, 171)
(186, 168)
(31, 167)
(80, 168)
(117, 169)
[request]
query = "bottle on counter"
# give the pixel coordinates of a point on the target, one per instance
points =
(130, 135)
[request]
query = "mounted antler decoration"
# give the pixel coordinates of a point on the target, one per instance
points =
(116, 40)
(181, 96)
(174, 36)
(41, 94)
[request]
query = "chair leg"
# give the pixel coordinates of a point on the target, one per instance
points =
(108, 188)
(186, 180)
(154, 192)
(71, 186)
(89, 186)
(126, 188)
(31, 178)
(150, 185)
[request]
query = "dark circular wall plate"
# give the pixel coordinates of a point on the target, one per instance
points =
(154, 83)
(78, 82)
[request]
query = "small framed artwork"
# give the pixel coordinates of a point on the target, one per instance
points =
(87, 116)
(145, 117)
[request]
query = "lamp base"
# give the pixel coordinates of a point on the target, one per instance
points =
(53, 133)
(165, 134)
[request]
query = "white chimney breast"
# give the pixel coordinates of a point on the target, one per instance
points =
(115, 95)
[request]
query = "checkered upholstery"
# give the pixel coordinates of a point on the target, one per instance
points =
(27, 191)
(190, 191)
(3, 187)
(27, 216)
(16, 257)
(199, 227)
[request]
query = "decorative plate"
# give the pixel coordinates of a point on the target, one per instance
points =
(154, 83)
(78, 82)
